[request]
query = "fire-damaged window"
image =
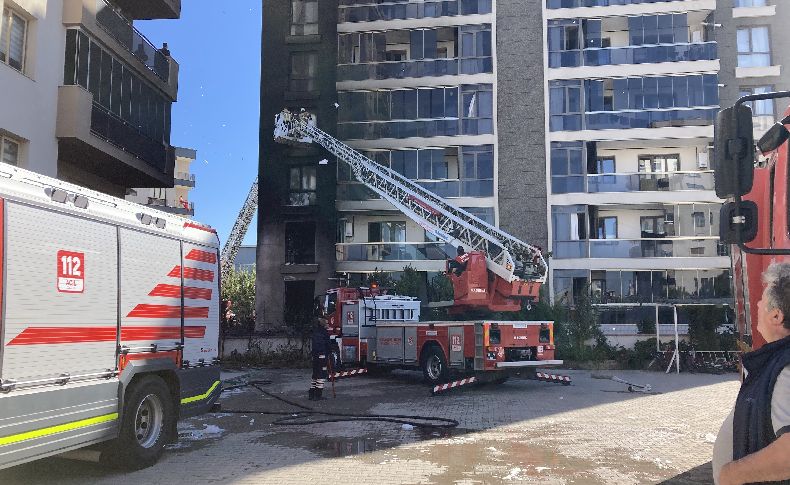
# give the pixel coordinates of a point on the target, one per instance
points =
(302, 186)
(300, 242)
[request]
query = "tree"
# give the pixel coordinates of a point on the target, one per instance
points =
(239, 287)
(583, 325)
(409, 282)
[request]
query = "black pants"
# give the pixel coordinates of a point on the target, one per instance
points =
(319, 371)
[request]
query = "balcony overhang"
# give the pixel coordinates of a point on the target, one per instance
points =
(150, 9)
(80, 145)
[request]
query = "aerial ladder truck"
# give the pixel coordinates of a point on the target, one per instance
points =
(499, 273)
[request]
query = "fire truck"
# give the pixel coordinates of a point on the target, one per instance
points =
(755, 220)
(499, 273)
(109, 323)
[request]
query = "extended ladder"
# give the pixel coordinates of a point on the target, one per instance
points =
(506, 256)
(247, 212)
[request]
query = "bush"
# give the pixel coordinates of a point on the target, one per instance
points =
(409, 283)
(239, 287)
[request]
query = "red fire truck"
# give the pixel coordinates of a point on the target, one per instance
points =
(756, 218)
(499, 273)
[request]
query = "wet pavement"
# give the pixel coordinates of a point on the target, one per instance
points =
(592, 432)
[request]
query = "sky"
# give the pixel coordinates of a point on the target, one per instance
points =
(217, 46)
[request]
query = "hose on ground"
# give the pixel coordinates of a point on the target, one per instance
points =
(307, 415)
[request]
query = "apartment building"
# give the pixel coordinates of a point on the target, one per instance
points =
(85, 96)
(582, 126)
(416, 87)
(175, 199)
(633, 88)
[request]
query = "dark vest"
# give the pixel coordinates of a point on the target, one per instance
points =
(752, 426)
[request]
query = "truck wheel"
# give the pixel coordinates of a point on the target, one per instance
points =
(434, 366)
(148, 414)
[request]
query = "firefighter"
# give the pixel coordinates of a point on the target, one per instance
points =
(458, 265)
(320, 354)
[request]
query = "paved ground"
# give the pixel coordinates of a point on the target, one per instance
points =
(519, 432)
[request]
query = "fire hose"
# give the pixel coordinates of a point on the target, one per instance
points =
(307, 415)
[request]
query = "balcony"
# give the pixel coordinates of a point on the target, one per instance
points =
(172, 207)
(641, 54)
(135, 42)
(93, 139)
(348, 12)
(447, 189)
(415, 128)
(115, 33)
(553, 4)
(399, 252)
(652, 182)
(150, 9)
(640, 248)
(416, 68)
(184, 179)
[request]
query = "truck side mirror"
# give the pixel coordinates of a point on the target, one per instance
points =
(734, 151)
(748, 224)
(774, 137)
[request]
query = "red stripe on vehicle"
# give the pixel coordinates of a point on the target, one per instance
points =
(174, 291)
(191, 225)
(202, 256)
(192, 273)
(167, 311)
(73, 335)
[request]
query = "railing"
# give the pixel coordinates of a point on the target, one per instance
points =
(347, 12)
(135, 42)
(414, 68)
(184, 179)
(552, 4)
(633, 329)
(393, 251)
(703, 247)
(448, 189)
(106, 125)
(640, 54)
(173, 207)
(650, 182)
(605, 120)
(414, 128)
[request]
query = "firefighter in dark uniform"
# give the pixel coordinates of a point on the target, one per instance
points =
(320, 354)
(458, 265)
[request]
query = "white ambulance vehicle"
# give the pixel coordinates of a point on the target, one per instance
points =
(109, 322)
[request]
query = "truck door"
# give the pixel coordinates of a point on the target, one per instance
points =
(151, 272)
(61, 300)
(201, 303)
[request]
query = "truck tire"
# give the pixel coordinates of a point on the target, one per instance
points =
(148, 415)
(434, 366)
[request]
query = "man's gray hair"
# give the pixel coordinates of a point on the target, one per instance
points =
(777, 289)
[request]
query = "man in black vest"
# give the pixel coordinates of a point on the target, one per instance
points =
(753, 445)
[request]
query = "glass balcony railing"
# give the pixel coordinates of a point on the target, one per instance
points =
(393, 251)
(416, 68)
(619, 120)
(106, 125)
(650, 182)
(552, 4)
(414, 128)
(394, 10)
(640, 248)
(131, 38)
(447, 189)
(652, 54)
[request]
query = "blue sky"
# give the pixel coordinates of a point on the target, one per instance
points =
(217, 46)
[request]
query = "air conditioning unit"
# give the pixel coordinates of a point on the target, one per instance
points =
(349, 228)
(696, 36)
(702, 160)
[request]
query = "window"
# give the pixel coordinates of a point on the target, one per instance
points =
(304, 17)
(750, 3)
(303, 71)
(567, 170)
(763, 107)
(302, 186)
(13, 36)
(300, 242)
(659, 163)
(9, 150)
(605, 165)
(652, 226)
(754, 48)
(607, 228)
(565, 105)
(485, 214)
(658, 29)
(389, 231)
